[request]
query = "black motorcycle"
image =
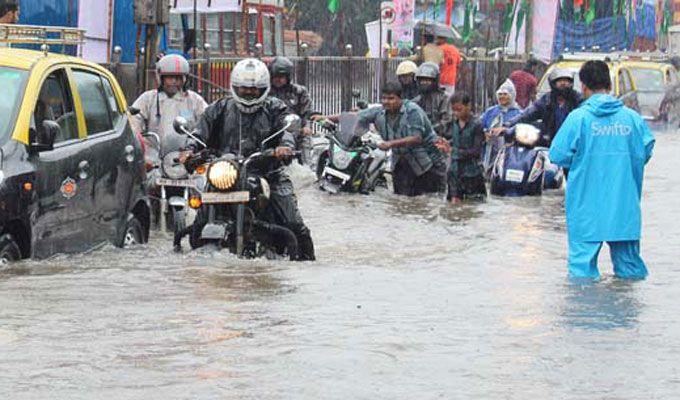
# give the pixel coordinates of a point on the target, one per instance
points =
(230, 200)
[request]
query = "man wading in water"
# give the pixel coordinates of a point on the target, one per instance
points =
(605, 146)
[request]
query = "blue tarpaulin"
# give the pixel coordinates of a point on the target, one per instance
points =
(607, 33)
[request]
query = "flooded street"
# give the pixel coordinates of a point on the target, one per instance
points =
(410, 299)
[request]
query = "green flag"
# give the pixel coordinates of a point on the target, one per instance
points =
(590, 14)
(521, 16)
(507, 18)
(333, 6)
(467, 23)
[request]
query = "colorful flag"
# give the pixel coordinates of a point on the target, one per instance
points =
(333, 6)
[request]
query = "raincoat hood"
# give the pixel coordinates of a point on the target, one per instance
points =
(602, 105)
(508, 87)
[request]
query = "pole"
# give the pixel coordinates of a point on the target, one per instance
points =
(529, 36)
(297, 27)
(195, 27)
(243, 46)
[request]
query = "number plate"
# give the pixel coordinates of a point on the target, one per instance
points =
(175, 182)
(334, 172)
(514, 175)
(221, 198)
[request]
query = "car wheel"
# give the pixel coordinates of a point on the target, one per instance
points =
(9, 250)
(134, 233)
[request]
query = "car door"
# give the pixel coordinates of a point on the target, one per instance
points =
(111, 145)
(63, 219)
(626, 89)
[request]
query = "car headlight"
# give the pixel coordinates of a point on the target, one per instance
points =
(223, 175)
(342, 158)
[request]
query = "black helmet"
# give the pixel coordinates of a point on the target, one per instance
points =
(281, 66)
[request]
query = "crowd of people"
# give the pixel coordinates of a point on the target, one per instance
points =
(438, 144)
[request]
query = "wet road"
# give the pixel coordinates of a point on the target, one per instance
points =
(410, 299)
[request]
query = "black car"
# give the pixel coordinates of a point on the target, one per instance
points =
(71, 170)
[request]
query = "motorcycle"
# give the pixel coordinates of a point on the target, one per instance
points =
(168, 182)
(230, 200)
(351, 163)
(519, 168)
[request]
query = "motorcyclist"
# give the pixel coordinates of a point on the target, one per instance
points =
(239, 124)
(295, 96)
(406, 74)
(433, 99)
(158, 108)
(552, 108)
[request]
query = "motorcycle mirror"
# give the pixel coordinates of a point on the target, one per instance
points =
(293, 122)
(362, 104)
(288, 122)
(133, 110)
(356, 94)
(180, 124)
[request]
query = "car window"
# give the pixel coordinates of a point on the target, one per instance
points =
(95, 107)
(648, 80)
(12, 84)
(116, 115)
(55, 103)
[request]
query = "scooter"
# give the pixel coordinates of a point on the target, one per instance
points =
(519, 168)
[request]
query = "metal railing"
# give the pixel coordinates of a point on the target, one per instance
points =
(332, 81)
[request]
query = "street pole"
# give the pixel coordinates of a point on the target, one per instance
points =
(195, 27)
(529, 36)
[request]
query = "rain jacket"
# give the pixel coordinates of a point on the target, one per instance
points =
(187, 104)
(539, 111)
(605, 146)
(495, 116)
(296, 98)
(435, 103)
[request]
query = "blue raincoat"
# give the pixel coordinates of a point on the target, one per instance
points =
(605, 146)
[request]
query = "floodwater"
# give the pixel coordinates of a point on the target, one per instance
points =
(410, 299)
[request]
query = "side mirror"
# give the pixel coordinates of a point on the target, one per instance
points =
(293, 122)
(362, 104)
(180, 124)
(133, 110)
(44, 140)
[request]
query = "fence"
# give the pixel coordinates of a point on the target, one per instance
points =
(336, 83)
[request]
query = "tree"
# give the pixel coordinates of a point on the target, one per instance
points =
(344, 27)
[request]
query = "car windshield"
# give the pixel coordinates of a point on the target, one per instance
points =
(12, 84)
(648, 80)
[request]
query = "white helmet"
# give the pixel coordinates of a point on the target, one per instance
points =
(406, 67)
(251, 73)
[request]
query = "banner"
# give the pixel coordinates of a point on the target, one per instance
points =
(402, 27)
(97, 29)
(544, 20)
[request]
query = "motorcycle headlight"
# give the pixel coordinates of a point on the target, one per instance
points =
(223, 175)
(526, 134)
(342, 158)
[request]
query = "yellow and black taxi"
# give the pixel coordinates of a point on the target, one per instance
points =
(652, 79)
(71, 169)
(623, 84)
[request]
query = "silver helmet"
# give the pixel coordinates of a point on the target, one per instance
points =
(251, 73)
(428, 70)
(172, 65)
(560, 73)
